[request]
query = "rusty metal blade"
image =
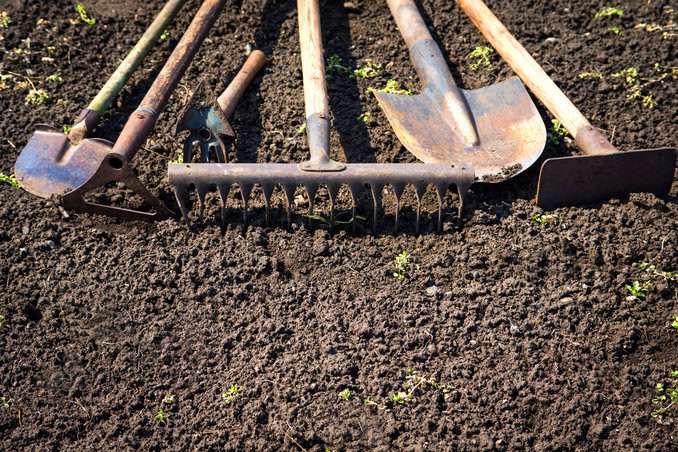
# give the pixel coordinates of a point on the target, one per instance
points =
(511, 131)
(588, 179)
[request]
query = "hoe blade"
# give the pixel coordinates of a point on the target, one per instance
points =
(50, 165)
(588, 179)
(511, 132)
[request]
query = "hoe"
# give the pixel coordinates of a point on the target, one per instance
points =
(53, 164)
(442, 112)
(602, 172)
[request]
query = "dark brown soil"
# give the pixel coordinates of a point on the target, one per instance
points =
(527, 329)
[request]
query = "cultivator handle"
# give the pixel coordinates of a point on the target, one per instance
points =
(588, 138)
(141, 122)
(231, 96)
(102, 101)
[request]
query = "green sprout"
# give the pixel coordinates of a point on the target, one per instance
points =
(370, 70)
(481, 55)
(392, 87)
(674, 324)
(36, 97)
(54, 78)
(4, 19)
(615, 30)
(168, 399)
(82, 12)
(160, 417)
(364, 118)
(399, 398)
(335, 66)
(403, 266)
(164, 36)
(595, 75)
(666, 397)
(345, 394)
(556, 133)
(67, 129)
(10, 180)
(543, 219)
(231, 394)
(5, 403)
(609, 12)
(639, 290)
(301, 129)
(629, 74)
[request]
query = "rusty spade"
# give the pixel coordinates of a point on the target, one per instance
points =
(495, 129)
(208, 125)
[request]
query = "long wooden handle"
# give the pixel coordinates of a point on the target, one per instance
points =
(234, 91)
(315, 87)
(589, 139)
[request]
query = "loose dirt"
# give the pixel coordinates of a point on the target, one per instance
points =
(507, 333)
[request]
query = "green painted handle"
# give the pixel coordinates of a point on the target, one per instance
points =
(134, 58)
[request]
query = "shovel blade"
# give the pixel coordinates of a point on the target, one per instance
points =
(511, 132)
(587, 179)
(50, 165)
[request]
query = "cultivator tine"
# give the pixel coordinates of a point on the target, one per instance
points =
(184, 202)
(289, 176)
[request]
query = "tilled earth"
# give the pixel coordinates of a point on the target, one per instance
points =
(506, 333)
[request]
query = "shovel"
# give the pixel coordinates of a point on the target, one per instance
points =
(208, 125)
(602, 172)
(51, 166)
(52, 163)
(496, 129)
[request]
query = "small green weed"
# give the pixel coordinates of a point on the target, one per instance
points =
(481, 55)
(652, 270)
(556, 132)
(392, 87)
(615, 29)
(301, 129)
(639, 290)
(82, 12)
(369, 70)
(403, 266)
(67, 129)
(674, 324)
(543, 219)
(160, 417)
(399, 398)
(364, 118)
(630, 75)
(609, 12)
(345, 394)
(37, 97)
(5, 403)
(168, 400)
(666, 397)
(164, 36)
(10, 180)
(4, 19)
(55, 78)
(231, 394)
(335, 66)
(594, 75)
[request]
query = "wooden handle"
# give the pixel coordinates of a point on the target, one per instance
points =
(589, 139)
(315, 88)
(232, 94)
(409, 21)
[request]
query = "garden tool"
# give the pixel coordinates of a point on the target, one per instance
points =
(71, 171)
(52, 163)
(208, 125)
(496, 129)
(320, 169)
(602, 172)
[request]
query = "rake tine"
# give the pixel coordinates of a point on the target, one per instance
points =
(419, 190)
(204, 152)
(333, 191)
(188, 147)
(289, 195)
(376, 189)
(441, 188)
(398, 190)
(220, 150)
(462, 200)
(245, 191)
(181, 195)
(267, 189)
(311, 190)
(355, 189)
(201, 190)
(223, 189)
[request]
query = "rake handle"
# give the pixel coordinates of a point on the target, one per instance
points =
(229, 98)
(141, 122)
(102, 101)
(315, 87)
(588, 138)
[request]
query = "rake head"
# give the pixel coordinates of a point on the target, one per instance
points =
(204, 178)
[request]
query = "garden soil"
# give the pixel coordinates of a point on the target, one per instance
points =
(503, 334)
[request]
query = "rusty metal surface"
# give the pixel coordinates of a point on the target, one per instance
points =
(510, 130)
(205, 177)
(589, 179)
